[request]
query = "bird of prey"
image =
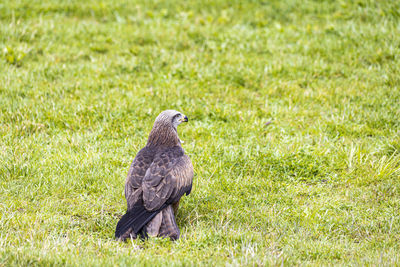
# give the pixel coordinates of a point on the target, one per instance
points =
(158, 177)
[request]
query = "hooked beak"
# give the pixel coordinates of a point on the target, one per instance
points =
(185, 119)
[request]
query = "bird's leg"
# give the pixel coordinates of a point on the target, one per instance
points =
(153, 227)
(168, 226)
(175, 206)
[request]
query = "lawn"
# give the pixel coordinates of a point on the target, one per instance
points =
(81, 83)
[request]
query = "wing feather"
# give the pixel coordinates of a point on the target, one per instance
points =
(167, 179)
(136, 172)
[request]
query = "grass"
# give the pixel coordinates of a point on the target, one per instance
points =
(81, 83)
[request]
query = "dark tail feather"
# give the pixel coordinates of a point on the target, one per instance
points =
(137, 217)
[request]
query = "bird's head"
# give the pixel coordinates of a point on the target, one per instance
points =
(165, 128)
(170, 118)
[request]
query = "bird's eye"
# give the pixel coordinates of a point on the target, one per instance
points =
(176, 116)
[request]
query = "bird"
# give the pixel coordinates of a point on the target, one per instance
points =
(160, 174)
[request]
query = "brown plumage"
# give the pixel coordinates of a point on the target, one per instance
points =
(159, 176)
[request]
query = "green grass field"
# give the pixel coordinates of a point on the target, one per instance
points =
(81, 83)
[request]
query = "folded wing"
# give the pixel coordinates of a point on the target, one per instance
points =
(168, 178)
(136, 172)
